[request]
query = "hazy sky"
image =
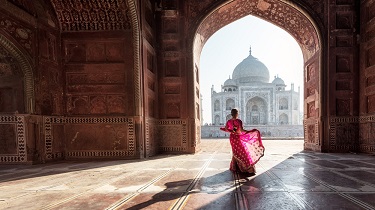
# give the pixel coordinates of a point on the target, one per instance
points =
(273, 46)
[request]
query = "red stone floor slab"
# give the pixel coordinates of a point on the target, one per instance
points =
(330, 201)
(176, 181)
(368, 198)
(210, 201)
(364, 176)
(35, 200)
(260, 182)
(297, 181)
(269, 200)
(339, 183)
(326, 164)
(287, 178)
(215, 181)
(154, 201)
(354, 164)
(91, 201)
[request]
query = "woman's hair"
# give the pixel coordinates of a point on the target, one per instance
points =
(234, 112)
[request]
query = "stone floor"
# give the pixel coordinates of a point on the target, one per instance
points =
(287, 178)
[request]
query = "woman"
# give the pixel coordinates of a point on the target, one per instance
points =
(247, 147)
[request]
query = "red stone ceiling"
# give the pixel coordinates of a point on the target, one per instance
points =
(274, 11)
(91, 15)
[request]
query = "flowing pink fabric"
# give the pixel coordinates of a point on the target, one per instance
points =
(247, 148)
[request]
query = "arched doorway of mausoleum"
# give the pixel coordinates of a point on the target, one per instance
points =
(299, 24)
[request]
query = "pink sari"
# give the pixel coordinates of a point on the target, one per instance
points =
(247, 148)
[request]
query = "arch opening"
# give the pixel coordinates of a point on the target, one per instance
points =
(308, 39)
(19, 95)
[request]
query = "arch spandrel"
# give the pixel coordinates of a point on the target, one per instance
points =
(277, 12)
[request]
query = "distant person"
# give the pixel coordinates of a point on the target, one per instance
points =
(247, 146)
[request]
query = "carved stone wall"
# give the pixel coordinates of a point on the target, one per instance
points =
(98, 74)
(12, 139)
(344, 134)
(367, 77)
(172, 135)
(89, 137)
(129, 70)
(151, 143)
(343, 58)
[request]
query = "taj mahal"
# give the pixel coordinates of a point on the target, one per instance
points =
(269, 107)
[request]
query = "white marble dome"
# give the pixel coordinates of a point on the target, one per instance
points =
(230, 82)
(278, 81)
(251, 70)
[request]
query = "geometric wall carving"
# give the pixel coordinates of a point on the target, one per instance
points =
(94, 15)
(343, 130)
(172, 135)
(12, 132)
(367, 134)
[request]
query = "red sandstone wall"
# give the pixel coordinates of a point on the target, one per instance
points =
(367, 78)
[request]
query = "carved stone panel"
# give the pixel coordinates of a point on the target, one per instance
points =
(344, 20)
(13, 139)
(23, 34)
(106, 137)
(172, 135)
(172, 68)
(343, 107)
(8, 140)
(92, 15)
(96, 137)
(343, 64)
(173, 109)
(342, 133)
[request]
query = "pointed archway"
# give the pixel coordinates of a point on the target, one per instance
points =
(297, 22)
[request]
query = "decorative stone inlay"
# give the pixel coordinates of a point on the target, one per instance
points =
(311, 127)
(19, 123)
(263, 95)
(278, 12)
(48, 126)
(94, 15)
(24, 35)
(172, 135)
(151, 136)
(347, 129)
